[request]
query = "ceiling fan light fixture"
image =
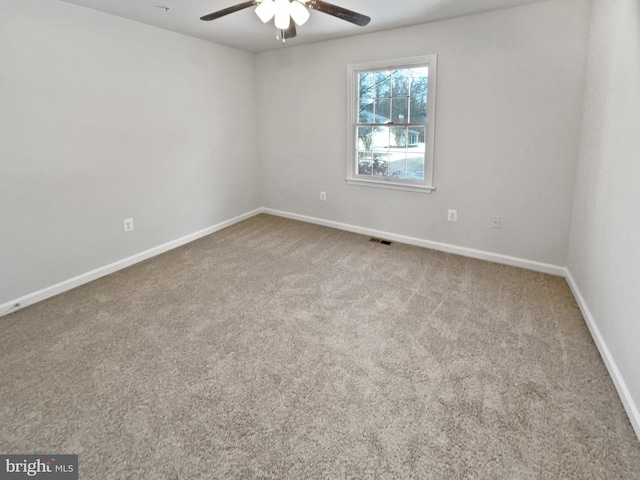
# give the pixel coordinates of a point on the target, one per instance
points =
(289, 13)
(266, 10)
(299, 12)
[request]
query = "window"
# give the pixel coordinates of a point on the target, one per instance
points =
(392, 119)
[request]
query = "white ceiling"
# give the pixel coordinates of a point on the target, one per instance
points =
(244, 29)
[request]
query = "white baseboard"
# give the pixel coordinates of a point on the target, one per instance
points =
(618, 380)
(74, 282)
(419, 242)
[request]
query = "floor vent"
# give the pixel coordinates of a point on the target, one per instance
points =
(379, 240)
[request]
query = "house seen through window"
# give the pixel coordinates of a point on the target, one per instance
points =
(393, 115)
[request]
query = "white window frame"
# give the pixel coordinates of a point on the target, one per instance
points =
(354, 70)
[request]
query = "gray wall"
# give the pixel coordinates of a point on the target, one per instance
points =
(509, 104)
(604, 257)
(103, 119)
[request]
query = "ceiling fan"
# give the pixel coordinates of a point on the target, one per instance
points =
(289, 13)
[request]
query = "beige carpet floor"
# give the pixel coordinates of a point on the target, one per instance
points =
(276, 349)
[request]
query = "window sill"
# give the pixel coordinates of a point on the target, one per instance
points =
(390, 185)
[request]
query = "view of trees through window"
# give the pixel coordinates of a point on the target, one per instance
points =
(392, 122)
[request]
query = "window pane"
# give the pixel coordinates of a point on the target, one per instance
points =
(366, 111)
(400, 110)
(366, 85)
(364, 163)
(398, 166)
(380, 138)
(383, 84)
(364, 138)
(380, 164)
(400, 83)
(383, 110)
(398, 137)
(416, 139)
(415, 166)
(419, 80)
(418, 109)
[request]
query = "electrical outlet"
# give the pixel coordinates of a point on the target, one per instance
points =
(496, 222)
(127, 224)
(452, 215)
(323, 196)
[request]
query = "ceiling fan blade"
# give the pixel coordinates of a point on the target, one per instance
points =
(227, 11)
(291, 31)
(343, 13)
